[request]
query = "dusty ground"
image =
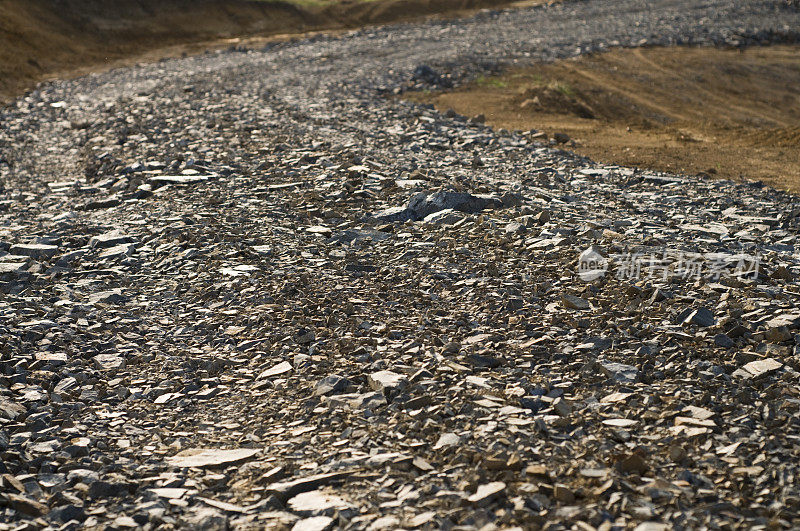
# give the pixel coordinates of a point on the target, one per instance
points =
(49, 39)
(723, 112)
(232, 297)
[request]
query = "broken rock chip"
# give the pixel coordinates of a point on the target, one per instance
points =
(36, 251)
(447, 216)
(285, 490)
(281, 368)
(109, 362)
(10, 410)
(758, 368)
(447, 439)
(620, 423)
(331, 384)
(574, 303)
(619, 372)
(487, 492)
(109, 239)
(386, 381)
(210, 457)
(424, 204)
(314, 523)
(700, 317)
(205, 518)
(113, 296)
(25, 504)
(316, 503)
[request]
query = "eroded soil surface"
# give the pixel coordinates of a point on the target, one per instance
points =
(730, 113)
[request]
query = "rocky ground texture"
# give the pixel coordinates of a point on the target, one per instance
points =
(253, 289)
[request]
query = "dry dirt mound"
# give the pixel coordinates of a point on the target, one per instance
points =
(41, 39)
(726, 112)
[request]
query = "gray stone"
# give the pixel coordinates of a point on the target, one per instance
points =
(113, 296)
(314, 523)
(10, 410)
(205, 519)
(758, 368)
(700, 317)
(211, 457)
(722, 340)
(619, 372)
(110, 239)
(574, 303)
(109, 362)
(284, 490)
(487, 492)
(316, 503)
(330, 385)
(423, 204)
(386, 381)
(37, 251)
(447, 439)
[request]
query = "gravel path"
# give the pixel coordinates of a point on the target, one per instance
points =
(249, 289)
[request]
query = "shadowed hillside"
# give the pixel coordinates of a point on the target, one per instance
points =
(42, 39)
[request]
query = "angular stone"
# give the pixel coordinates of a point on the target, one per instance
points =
(118, 251)
(487, 492)
(330, 385)
(65, 513)
(386, 381)
(179, 179)
(758, 368)
(211, 457)
(447, 439)
(205, 519)
(109, 239)
(66, 386)
(12, 268)
(723, 340)
(620, 423)
(285, 490)
(778, 334)
(563, 493)
(700, 317)
(276, 370)
(36, 251)
(113, 296)
(316, 503)
(25, 505)
(314, 523)
(10, 410)
(447, 216)
(574, 303)
(109, 362)
(110, 489)
(619, 372)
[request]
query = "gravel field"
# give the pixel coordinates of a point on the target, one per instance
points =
(251, 289)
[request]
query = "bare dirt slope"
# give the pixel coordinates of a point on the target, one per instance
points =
(723, 112)
(46, 39)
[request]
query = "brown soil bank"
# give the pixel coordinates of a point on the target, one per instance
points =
(727, 113)
(43, 39)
